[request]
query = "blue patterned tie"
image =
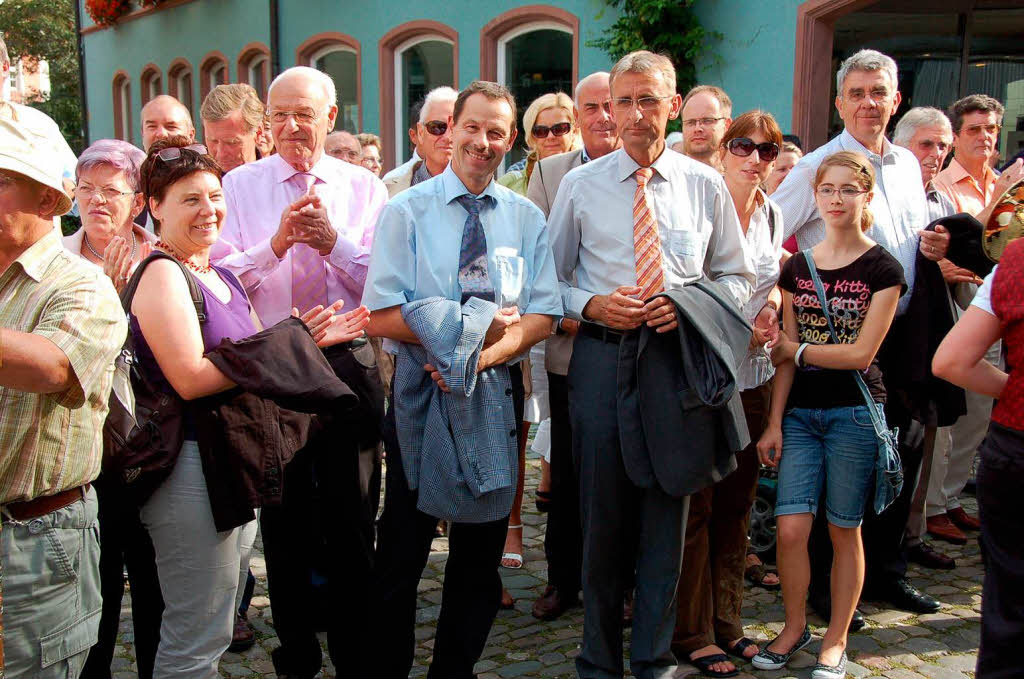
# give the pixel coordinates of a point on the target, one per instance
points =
(473, 276)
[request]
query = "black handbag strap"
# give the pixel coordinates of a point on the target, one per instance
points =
(128, 294)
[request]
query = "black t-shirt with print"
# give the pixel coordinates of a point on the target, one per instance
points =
(848, 292)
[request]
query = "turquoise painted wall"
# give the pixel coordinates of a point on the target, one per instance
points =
(754, 60)
(194, 29)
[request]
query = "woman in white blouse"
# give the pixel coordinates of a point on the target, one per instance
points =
(710, 595)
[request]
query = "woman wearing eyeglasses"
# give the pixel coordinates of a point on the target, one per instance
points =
(109, 198)
(710, 594)
(820, 432)
(371, 152)
(198, 565)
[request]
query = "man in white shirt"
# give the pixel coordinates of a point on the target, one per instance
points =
(683, 228)
(868, 96)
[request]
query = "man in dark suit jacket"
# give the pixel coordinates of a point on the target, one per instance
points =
(563, 539)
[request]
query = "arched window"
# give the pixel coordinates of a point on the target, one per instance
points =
(151, 83)
(179, 82)
(414, 58)
(122, 92)
(338, 55)
(213, 71)
(531, 50)
(254, 67)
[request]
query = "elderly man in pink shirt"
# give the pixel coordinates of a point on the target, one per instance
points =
(298, 232)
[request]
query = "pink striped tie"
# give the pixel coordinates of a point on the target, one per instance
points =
(309, 278)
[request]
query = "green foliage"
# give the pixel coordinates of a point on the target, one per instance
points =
(668, 27)
(45, 30)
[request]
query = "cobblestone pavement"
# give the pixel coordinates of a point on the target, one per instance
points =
(894, 644)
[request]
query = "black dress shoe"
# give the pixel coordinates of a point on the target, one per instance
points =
(821, 602)
(553, 604)
(922, 553)
(904, 596)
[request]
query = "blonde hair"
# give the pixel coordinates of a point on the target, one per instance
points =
(543, 103)
(369, 139)
(864, 176)
(223, 100)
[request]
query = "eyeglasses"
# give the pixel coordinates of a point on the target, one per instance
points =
(973, 130)
(827, 191)
(304, 117)
(743, 147)
(701, 122)
(173, 153)
(624, 104)
(370, 161)
(558, 129)
(346, 154)
(436, 127)
(87, 193)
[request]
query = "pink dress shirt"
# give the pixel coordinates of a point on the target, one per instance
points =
(257, 193)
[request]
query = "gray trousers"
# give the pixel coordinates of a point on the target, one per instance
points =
(624, 526)
(51, 581)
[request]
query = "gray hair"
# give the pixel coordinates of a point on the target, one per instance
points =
(325, 81)
(5, 58)
(438, 95)
(117, 154)
(866, 60)
(586, 81)
(643, 61)
(919, 116)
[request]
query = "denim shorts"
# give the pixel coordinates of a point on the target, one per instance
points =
(827, 448)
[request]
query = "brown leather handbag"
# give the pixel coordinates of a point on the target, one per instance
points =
(143, 432)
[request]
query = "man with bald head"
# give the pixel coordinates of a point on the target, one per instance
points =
(563, 539)
(344, 146)
(164, 116)
(297, 234)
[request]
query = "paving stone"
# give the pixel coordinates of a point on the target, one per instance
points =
(925, 646)
(962, 663)
(940, 620)
(888, 635)
(937, 672)
(519, 669)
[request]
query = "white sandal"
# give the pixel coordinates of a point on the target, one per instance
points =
(513, 556)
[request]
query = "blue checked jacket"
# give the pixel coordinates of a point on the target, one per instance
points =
(459, 448)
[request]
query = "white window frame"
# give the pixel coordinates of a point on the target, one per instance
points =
(212, 72)
(124, 94)
(401, 134)
(255, 68)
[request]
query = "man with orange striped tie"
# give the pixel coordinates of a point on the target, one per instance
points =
(637, 222)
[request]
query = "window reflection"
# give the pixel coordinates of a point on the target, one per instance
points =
(341, 65)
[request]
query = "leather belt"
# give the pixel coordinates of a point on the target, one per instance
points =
(41, 506)
(602, 333)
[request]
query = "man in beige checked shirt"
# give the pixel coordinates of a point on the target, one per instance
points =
(61, 325)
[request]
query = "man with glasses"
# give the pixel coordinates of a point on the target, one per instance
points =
(624, 227)
(868, 97)
(344, 146)
(433, 141)
(707, 114)
(297, 233)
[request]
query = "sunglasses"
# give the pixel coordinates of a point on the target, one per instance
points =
(173, 153)
(743, 147)
(436, 127)
(558, 129)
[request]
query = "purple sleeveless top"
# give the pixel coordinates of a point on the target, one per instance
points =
(223, 321)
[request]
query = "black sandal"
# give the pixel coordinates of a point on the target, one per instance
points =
(755, 575)
(705, 662)
(737, 649)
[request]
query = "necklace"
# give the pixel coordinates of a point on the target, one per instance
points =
(195, 267)
(99, 256)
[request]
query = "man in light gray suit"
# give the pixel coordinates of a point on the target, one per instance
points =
(563, 540)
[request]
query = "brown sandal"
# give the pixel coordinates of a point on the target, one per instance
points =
(756, 574)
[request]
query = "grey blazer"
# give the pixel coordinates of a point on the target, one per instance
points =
(543, 187)
(680, 415)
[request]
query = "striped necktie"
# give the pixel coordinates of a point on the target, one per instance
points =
(309, 277)
(646, 242)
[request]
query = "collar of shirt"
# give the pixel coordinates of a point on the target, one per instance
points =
(850, 143)
(453, 187)
(586, 156)
(957, 174)
(627, 167)
(38, 256)
(282, 170)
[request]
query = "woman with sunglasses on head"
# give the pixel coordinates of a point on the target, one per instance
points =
(198, 565)
(550, 130)
(710, 593)
(820, 432)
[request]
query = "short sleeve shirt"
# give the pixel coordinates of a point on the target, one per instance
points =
(848, 292)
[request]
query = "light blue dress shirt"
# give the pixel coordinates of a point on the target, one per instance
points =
(419, 236)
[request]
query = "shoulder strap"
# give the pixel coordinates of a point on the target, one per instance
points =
(128, 294)
(820, 289)
(771, 220)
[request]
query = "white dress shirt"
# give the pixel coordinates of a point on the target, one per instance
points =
(898, 206)
(591, 228)
(765, 246)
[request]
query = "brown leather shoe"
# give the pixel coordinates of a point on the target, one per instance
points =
(243, 636)
(963, 520)
(552, 604)
(941, 528)
(922, 553)
(627, 609)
